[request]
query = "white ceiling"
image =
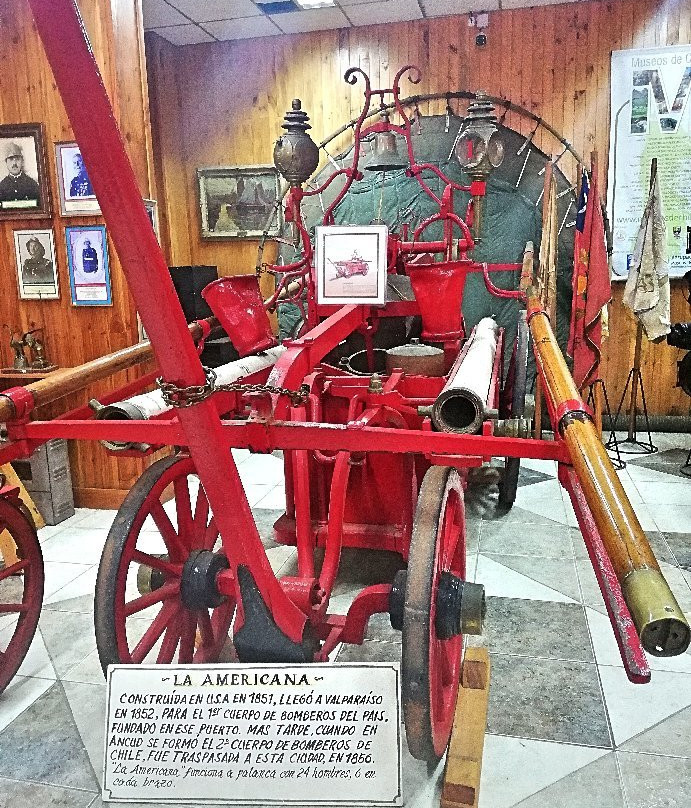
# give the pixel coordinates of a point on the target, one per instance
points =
(188, 22)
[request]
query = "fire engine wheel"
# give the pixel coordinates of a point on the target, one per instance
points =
(508, 483)
(21, 588)
(430, 665)
(156, 595)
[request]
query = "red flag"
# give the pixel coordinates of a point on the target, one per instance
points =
(592, 289)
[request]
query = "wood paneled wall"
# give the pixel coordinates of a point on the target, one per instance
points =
(76, 334)
(222, 104)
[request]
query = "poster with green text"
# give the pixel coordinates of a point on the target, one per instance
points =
(650, 117)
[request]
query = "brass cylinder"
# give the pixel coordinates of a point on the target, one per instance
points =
(661, 625)
(416, 359)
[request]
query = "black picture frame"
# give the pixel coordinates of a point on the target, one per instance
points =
(236, 202)
(24, 183)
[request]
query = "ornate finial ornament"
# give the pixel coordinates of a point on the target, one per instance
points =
(296, 155)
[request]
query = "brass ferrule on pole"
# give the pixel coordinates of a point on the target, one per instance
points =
(660, 622)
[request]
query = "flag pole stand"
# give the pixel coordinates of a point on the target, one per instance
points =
(631, 444)
(597, 394)
(635, 379)
(686, 468)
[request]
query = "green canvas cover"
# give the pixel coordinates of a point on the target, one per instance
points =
(512, 215)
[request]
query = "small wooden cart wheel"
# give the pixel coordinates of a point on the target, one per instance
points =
(21, 590)
(430, 664)
(508, 483)
(156, 596)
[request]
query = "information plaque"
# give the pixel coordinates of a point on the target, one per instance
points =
(254, 734)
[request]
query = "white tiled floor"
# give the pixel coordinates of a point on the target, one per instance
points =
(558, 686)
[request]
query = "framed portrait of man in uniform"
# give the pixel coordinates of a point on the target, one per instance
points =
(87, 259)
(24, 186)
(77, 195)
(36, 264)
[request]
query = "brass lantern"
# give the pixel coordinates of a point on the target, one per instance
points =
(480, 149)
(296, 155)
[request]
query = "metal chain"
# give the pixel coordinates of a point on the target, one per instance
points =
(175, 396)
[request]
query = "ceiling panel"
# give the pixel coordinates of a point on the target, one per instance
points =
(245, 28)
(202, 10)
(318, 19)
(442, 8)
(386, 11)
(242, 19)
(157, 13)
(184, 34)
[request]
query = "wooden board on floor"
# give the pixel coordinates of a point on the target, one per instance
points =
(461, 787)
(8, 551)
(11, 476)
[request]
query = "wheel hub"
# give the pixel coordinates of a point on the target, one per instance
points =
(460, 607)
(397, 599)
(150, 579)
(198, 589)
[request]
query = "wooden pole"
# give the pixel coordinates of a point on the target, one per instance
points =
(657, 616)
(597, 384)
(598, 405)
(61, 383)
(638, 349)
(543, 280)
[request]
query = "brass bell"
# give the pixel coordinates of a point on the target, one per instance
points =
(385, 156)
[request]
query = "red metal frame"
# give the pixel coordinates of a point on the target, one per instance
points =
(346, 437)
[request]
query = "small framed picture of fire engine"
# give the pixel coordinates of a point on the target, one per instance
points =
(351, 264)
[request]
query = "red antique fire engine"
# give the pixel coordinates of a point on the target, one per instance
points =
(370, 461)
(354, 266)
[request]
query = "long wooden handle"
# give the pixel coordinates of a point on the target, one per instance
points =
(661, 624)
(61, 383)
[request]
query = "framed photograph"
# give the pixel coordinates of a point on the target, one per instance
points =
(36, 265)
(351, 264)
(236, 202)
(24, 186)
(151, 206)
(76, 194)
(87, 259)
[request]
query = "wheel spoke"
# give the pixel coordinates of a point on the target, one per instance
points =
(201, 509)
(169, 590)
(189, 628)
(157, 563)
(158, 625)
(206, 630)
(210, 535)
(170, 642)
(170, 537)
(183, 508)
(12, 608)
(14, 569)
(221, 619)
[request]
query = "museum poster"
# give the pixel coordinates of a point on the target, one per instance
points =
(650, 117)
